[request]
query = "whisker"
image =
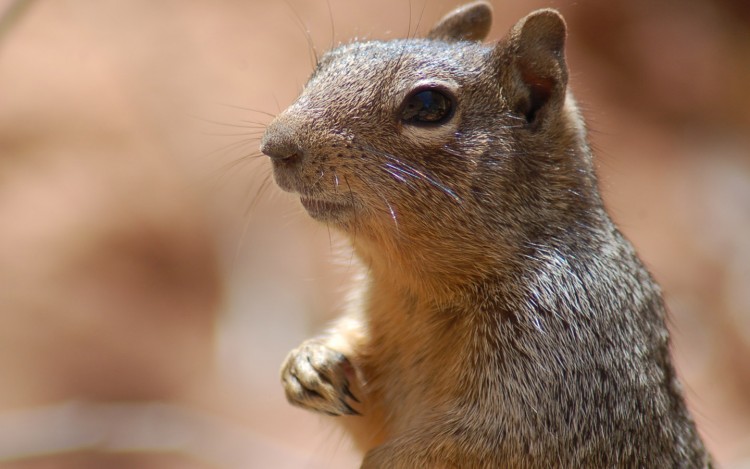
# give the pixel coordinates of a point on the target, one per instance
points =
(392, 212)
(243, 108)
(402, 170)
(222, 171)
(335, 181)
(264, 185)
(408, 28)
(254, 133)
(231, 147)
(402, 53)
(330, 238)
(246, 224)
(224, 124)
(234, 164)
(320, 178)
(396, 175)
(417, 173)
(306, 31)
(419, 20)
(255, 124)
(389, 208)
(333, 28)
(400, 174)
(354, 207)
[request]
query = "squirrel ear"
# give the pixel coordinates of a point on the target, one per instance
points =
(470, 22)
(534, 72)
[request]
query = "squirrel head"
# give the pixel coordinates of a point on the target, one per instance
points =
(439, 143)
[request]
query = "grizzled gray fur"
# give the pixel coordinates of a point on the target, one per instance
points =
(501, 319)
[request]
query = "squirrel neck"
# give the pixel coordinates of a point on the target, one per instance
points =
(427, 265)
(446, 270)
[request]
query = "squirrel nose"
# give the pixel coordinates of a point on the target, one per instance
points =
(279, 145)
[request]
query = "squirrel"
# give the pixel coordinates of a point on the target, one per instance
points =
(501, 319)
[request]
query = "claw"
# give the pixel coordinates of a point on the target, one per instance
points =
(317, 378)
(349, 410)
(349, 394)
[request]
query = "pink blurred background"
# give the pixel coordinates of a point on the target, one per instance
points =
(152, 279)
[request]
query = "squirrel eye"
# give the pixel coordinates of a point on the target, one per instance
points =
(427, 106)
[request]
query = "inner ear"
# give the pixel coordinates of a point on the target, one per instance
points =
(470, 22)
(535, 76)
(540, 90)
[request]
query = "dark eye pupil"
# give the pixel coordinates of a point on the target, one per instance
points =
(426, 107)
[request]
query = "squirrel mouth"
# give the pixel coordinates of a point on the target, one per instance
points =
(325, 210)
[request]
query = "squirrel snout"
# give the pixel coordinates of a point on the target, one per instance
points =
(279, 145)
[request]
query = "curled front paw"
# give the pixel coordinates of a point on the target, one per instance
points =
(317, 377)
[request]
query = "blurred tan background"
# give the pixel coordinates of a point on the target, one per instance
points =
(152, 278)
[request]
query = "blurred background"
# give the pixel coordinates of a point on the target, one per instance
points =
(153, 278)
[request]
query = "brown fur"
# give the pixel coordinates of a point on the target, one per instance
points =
(502, 321)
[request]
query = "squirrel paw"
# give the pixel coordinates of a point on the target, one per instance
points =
(316, 377)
